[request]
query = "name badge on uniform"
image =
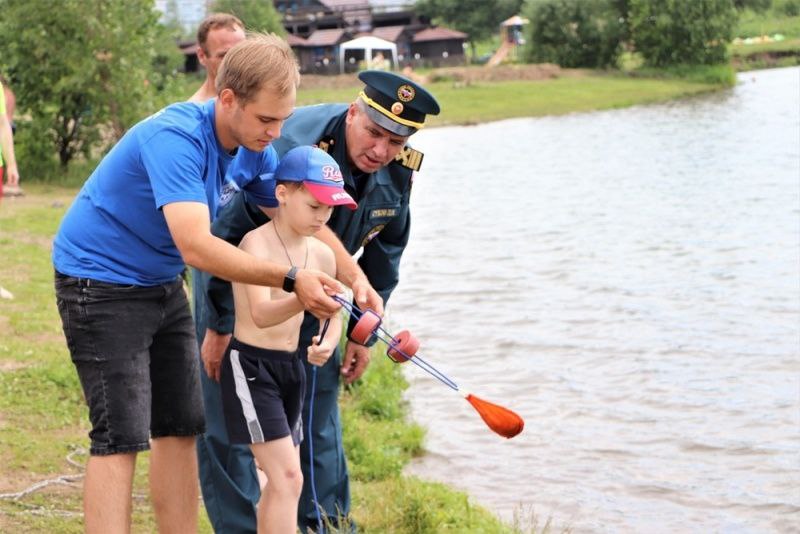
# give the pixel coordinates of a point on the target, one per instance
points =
(382, 212)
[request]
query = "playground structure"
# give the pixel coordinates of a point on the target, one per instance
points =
(510, 37)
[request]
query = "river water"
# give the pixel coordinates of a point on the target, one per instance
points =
(629, 282)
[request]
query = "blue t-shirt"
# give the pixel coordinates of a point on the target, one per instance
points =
(115, 230)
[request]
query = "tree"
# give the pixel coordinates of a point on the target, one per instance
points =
(479, 19)
(82, 72)
(674, 32)
(257, 15)
(575, 33)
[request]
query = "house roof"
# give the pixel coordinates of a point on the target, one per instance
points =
(188, 48)
(348, 4)
(388, 33)
(325, 37)
(295, 40)
(438, 34)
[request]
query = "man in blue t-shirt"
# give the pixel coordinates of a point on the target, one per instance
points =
(143, 214)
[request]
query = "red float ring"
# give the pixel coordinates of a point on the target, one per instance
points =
(366, 325)
(404, 346)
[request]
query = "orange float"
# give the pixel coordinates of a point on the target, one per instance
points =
(403, 347)
(365, 327)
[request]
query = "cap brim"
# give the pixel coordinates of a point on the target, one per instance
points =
(388, 124)
(330, 196)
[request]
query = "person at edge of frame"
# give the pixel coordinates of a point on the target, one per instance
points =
(367, 138)
(217, 33)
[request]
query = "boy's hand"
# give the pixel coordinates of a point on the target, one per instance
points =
(319, 354)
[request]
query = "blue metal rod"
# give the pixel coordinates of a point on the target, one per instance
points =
(416, 359)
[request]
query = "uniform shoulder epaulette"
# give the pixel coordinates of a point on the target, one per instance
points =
(409, 158)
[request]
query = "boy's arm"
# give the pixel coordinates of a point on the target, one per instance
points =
(322, 349)
(191, 230)
(333, 333)
(265, 311)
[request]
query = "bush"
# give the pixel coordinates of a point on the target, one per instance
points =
(574, 33)
(789, 8)
(85, 71)
(674, 32)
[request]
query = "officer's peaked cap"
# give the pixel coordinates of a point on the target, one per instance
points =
(395, 102)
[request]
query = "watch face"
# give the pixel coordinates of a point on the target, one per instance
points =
(288, 280)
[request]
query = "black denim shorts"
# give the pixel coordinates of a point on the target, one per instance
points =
(136, 355)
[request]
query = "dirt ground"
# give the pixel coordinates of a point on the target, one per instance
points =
(541, 71)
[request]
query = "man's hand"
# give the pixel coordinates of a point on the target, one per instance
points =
(314, 289)
(212, 351)
(365, 296)
(356, 359)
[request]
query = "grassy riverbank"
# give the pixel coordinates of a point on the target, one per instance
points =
(43, 423)
(468, 102)
(756, 46)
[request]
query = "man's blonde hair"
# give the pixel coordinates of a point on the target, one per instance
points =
(262, 61)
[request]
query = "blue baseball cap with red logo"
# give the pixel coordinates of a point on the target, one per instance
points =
(319, 173)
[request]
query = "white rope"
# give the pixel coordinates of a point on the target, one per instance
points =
(65, 480)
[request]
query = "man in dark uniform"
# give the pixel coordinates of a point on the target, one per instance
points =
(368, 140)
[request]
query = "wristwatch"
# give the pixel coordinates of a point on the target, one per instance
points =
(288, 280)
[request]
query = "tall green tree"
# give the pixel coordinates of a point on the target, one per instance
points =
(675, 32)
(83, 72)
(574, 33)
(479, 19)
(257, 15)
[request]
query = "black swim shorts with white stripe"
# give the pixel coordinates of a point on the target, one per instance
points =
(262, 394)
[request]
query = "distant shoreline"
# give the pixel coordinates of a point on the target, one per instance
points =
(473, 95)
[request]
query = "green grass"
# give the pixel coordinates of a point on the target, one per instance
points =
(788, 45)
(43, 419)
(753, 24)
(765, 55)
(481, 102)
(42, 415)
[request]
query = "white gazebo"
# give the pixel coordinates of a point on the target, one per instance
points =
(368, 44)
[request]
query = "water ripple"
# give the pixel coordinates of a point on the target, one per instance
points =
(631, 287)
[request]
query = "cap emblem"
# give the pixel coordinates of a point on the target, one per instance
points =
(406, 93)
(397, 108)
(331, 173)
